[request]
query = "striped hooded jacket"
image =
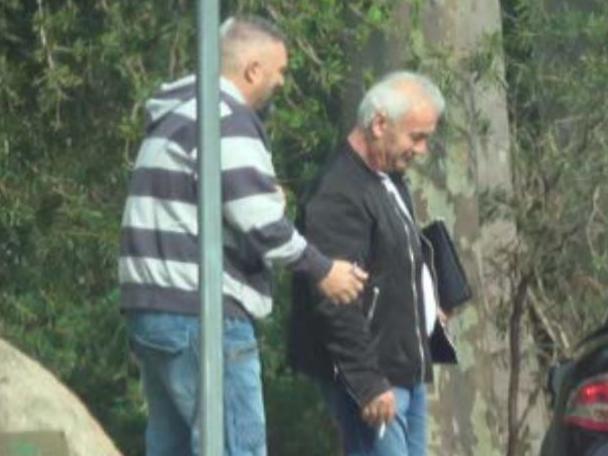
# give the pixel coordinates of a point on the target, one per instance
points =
(158, 266)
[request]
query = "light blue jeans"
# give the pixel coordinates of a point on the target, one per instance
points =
(404, 436)
(166, 346)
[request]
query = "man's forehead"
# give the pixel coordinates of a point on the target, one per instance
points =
(422, 111)
(273, 46)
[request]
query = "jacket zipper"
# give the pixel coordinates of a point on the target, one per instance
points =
(415, 293)
(416, 314)
(372, 307)
(338, 376)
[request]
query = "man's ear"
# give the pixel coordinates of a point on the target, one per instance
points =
(252, 71)
(378, 125)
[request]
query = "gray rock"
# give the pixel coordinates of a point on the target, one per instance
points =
(32, 399)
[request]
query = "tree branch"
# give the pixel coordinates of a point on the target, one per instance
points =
(43, 38)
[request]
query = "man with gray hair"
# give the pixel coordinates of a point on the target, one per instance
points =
(372, 360)
(158, 267)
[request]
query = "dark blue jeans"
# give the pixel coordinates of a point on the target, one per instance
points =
(166, 346)
(404, 436)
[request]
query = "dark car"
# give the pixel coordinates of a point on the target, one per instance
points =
(580, 400)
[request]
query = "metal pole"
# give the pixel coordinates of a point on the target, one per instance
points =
(210, 230)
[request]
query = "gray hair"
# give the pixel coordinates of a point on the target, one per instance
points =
(383, 97)
(238, 34)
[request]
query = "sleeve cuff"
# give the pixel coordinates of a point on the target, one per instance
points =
(313, 263)
(375, 389)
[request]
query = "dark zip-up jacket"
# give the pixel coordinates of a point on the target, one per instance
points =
(381, 340)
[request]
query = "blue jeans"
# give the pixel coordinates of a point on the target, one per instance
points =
(404, 436)
(166, 346)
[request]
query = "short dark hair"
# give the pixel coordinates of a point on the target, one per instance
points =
(242, 33)
(242, 26)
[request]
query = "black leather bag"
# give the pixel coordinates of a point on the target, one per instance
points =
(442, 348)
(452, 284)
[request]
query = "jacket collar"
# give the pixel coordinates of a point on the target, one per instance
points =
(358, 160)
(231, 89)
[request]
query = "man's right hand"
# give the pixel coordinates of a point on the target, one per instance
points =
(380, 409)
(343, 283)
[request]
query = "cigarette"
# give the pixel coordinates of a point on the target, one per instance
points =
(381, 430)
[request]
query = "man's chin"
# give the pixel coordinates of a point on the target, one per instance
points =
(401, 166)
(265, 110)
(404, 163)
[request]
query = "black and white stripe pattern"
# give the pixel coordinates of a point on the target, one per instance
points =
(158, 267)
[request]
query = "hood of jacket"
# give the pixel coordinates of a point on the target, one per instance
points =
(170, 97)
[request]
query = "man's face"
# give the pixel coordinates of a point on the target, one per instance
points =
(270, 74)
(399, 141)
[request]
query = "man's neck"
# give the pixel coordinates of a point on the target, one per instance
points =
(360, 144)
(239, 86)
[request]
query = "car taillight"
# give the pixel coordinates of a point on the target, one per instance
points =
(588, 405)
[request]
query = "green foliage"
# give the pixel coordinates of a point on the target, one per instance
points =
(73, 77)
(558, 79)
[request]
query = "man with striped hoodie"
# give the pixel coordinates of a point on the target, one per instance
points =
(158, 267)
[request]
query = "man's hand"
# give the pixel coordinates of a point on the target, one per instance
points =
(343, 283)
(282, 194)
(380, 409)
